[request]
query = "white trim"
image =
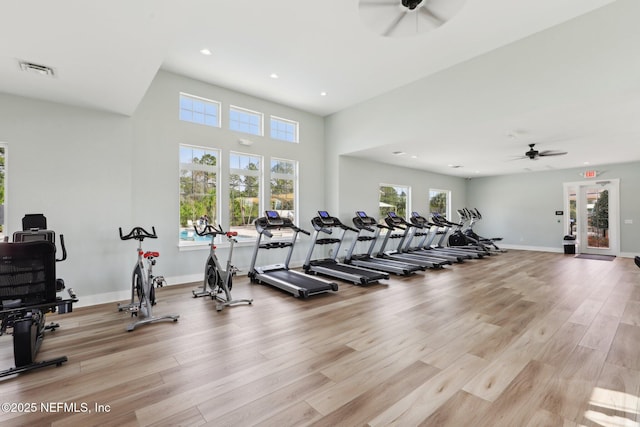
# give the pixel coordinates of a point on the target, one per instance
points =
(5, 226)
(408, 187)
(448, 193)
(218, 104)
(249, 112)
(283, 120)
(559, 249)
(614, 210)
(205, 168)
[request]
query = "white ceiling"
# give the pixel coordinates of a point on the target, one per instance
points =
(105, 55)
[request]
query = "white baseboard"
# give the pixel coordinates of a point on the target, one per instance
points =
(555, 250)
(532, 248)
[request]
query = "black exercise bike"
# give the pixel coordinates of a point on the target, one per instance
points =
(218, 281)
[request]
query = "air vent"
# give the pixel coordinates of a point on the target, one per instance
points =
(30, 67)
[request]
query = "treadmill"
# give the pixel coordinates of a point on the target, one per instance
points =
(327, 224)
(395, 222)
(425, 243)
(280, 276)
(478, 250)
(363, 223)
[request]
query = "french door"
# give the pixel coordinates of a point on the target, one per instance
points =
(593, 218)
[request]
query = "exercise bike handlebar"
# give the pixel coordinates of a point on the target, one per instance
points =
(138, 233)
(64, 249)
(210, 230)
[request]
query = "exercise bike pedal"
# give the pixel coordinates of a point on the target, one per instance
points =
(52, 326)
(158, 281)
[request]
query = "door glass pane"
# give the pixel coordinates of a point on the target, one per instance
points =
(597, 218)
(573, 212)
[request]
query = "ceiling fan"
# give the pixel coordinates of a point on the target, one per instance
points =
(397, 18)
(534, 154)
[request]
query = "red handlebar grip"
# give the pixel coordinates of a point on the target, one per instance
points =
(151, 254)
(232, 233)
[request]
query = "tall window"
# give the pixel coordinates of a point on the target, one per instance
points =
(199, 168)
(440, 202)
(283, 129)
(247, 121)
(3, 151)
(394, 198)
(245, 176)
(284, 179)
(199, 110)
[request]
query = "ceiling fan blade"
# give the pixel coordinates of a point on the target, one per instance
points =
(386, 3)
(552, 153)
(425, 11)
(394, 24)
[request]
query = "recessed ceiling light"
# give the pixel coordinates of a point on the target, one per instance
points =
(323, 93)
(274, 76)
(587, 163)
(414, 157)
(205, 51)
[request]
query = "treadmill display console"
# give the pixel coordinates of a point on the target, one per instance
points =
(325, 217)
(273, 218)
(394, 218)
(417, 218)
(366, 220)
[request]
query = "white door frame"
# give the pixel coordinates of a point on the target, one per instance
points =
(614, 214)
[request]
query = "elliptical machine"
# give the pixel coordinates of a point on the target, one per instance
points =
(216, 279)
(143, 282)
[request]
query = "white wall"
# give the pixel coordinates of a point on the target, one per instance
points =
(359, 189)
(73, 165)
(360, 186)
(521, 208)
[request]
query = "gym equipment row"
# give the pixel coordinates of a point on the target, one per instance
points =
(359, 269)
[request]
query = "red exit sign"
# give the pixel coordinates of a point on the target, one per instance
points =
(590, 174)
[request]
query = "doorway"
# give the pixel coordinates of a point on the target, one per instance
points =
(593, 218)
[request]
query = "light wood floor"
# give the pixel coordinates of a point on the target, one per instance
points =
(519, 339)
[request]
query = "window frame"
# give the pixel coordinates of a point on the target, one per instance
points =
(215, 169)
(204, 101)
(438, 191)
(248, 112)
(295, 133)
(286, 233)
(395, 187)
(259, 174)
(4, 147)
